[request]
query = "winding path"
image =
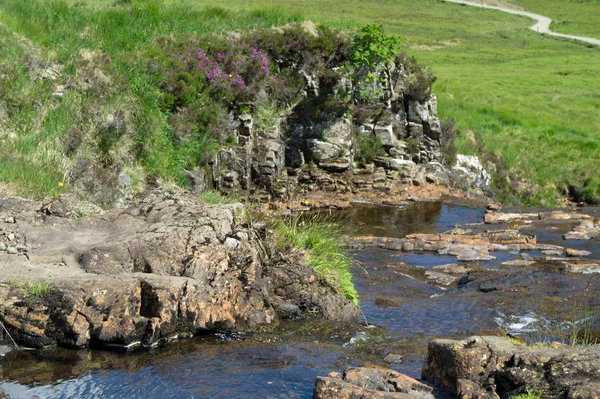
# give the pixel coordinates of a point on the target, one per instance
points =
(541, 26)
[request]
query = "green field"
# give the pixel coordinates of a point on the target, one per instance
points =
(529, 100)
(573, 17)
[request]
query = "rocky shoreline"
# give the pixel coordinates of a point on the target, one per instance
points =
(167, 266)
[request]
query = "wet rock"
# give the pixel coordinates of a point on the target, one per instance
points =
(561, 215)
(168, 266)
(393, 358)
(493, 366)
(5, 349)
(453, 269)
(440, 278)
(388, 303)
(587, 267)
(553, 252)
(584, 231)
(577, 252)
(362, 382)
(518, 262)
(501, 217)
(506, 237)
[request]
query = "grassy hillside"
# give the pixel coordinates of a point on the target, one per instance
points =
(529, 100)
(532, 100)
(579, 17)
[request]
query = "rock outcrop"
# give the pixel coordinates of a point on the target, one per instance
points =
(493, 367)
(367, 383)
(165, 267)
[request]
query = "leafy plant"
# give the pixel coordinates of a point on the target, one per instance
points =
(372, 50)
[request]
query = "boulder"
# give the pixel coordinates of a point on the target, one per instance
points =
(472, 170)
(492, 367)
(321, 151)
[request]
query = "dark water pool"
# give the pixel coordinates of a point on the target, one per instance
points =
(401, 311)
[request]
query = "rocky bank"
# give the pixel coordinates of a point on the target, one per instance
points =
(167, 266)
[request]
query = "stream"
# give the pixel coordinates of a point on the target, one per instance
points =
(401, 311)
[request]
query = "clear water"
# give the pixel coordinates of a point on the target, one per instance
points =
(401, 311)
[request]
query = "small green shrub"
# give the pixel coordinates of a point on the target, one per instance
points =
(419, 79)
(368, 147)
(447, 141)
(322, 242)
(413, 146)
(371, 47)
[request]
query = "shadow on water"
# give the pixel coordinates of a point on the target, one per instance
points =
(401, 311)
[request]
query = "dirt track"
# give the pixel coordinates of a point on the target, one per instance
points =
(542, 24)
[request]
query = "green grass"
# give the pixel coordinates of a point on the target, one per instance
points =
(324, 250)
(215, 197)
(34, 123)
(527, 395)
(32, 289)
(572, 17)
(532, 100)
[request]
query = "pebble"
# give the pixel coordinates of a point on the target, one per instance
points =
(231, 242)
(2, 246)
(10, 236)
(9, 219)
(21, 248)
(12, 251)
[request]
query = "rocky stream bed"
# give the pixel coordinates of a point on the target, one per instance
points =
(424, 270)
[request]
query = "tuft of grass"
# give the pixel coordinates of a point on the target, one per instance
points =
(32, 289)
(585, 315)
(324, 247)
(527, 395)
(215, 197)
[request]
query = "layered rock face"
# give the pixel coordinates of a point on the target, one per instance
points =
(165, 267)
(492, 367)
(299, 152)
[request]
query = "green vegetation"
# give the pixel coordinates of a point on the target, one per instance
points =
(32, 289)
(215, 197)
(585, 314)
(324, 250)
(527, 395)
(576, 17)
(507, 88)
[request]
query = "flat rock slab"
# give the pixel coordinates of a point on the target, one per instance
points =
(367, 383)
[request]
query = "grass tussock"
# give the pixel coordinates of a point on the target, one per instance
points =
(32, 289)
(324, 248)
(215, 197)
